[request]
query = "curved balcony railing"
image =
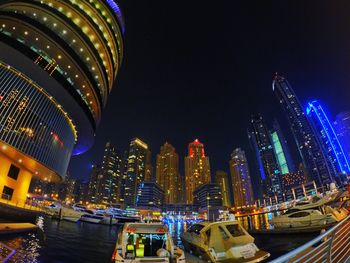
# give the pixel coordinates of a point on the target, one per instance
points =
(331, 246)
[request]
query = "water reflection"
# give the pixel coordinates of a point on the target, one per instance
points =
(175, 229)
(260, 221)
(61, 242)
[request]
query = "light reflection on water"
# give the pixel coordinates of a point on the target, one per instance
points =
(260, 221)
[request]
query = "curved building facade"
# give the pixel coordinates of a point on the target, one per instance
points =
(58, 63)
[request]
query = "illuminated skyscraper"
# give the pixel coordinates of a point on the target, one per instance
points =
(272, 183)
(222, 180)
(123, 172)
(58, 63)
(93, 183)
(109, 176)
(167, 173)
(342, 128)
(308, 146)
(281, 150)
(138, 159)
(150, 196)
(241, 183)
(337, 161)
(197, 169)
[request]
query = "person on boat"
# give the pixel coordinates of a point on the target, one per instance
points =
(130, 248)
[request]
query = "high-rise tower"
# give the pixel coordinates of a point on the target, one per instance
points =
(337, 160)
(58, 63)
(241, 183)
(273, 183)
(167, 173)
(197, 169)
(308, 146)
(93, 183)
(138, 159)
(342, 128)
(109, 177)
(221, 179)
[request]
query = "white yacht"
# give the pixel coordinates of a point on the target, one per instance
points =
(97, 218)
(92, 218)
(296, 218)
(224, 241)
(146, 242)
(61, 212)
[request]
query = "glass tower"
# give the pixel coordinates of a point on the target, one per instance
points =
(138, 160)
(337, 160)
(272, 184)
(110, 176)
(240, 177)
(342, 128)
(305, 138)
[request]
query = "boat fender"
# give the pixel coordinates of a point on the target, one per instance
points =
(163, 253)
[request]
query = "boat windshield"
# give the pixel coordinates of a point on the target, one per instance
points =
(145, 244)
(289, 211)
(235, 230)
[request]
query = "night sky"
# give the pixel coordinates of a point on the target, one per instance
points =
(193, 70)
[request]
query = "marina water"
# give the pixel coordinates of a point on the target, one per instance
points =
(67, 242)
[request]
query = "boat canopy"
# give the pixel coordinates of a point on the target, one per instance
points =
(224, 235)
(152, 228)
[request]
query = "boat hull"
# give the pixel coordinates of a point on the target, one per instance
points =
(204, 254)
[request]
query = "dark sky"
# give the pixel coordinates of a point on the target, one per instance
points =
(193, 70)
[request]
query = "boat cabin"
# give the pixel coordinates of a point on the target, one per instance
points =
(145, 240)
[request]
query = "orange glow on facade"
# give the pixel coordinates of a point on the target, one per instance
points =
(197, 169)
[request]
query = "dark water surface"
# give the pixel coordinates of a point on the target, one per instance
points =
(65, 242)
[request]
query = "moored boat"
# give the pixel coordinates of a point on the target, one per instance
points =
(296, 218)
(146, 242)
(224, 241)
(91, 217)
(68, 214)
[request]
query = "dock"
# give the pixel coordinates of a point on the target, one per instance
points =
(16, 228)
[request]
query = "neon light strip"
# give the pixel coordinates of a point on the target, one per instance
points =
(117, 11)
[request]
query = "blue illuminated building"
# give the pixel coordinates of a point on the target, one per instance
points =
(337, 160)
(269, 169)
(309, 147)
(342, 129)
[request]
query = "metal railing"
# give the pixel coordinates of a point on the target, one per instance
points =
(331, 246)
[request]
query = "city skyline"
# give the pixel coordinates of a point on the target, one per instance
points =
(191, 95)
(275, 165)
